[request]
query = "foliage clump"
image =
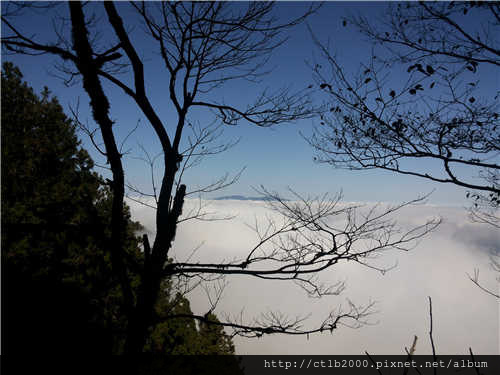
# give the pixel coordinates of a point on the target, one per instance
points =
(58, 288)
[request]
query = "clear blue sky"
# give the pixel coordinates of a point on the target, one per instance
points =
(276, 157)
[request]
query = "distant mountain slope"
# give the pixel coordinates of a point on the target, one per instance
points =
(243, 198)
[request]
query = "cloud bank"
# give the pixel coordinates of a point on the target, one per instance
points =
(463, 316)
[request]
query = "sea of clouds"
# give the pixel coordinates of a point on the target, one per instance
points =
(463, 316)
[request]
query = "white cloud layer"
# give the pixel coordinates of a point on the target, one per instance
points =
(463, 315)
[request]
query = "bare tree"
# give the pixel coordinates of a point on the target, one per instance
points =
(436, 112)
(411, 352)
(204, 45)
(439, 111)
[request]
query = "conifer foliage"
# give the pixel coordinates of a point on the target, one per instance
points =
(58, 291)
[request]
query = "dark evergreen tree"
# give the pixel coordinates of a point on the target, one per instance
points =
(57, 288)
(50, 231)
(214, 340)
(177, 332)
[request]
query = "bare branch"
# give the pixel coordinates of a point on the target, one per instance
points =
(436, 113)
(276, 322)
(430, 332)
(475, 279)
(314, 235)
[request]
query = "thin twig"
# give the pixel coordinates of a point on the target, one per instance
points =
(430, 335)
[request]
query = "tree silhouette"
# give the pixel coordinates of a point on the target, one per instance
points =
(436, 112)
(203, 46)
(53, 230)
(56, 289)
(440, 111)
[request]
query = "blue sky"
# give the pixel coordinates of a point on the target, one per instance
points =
(275, 157)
